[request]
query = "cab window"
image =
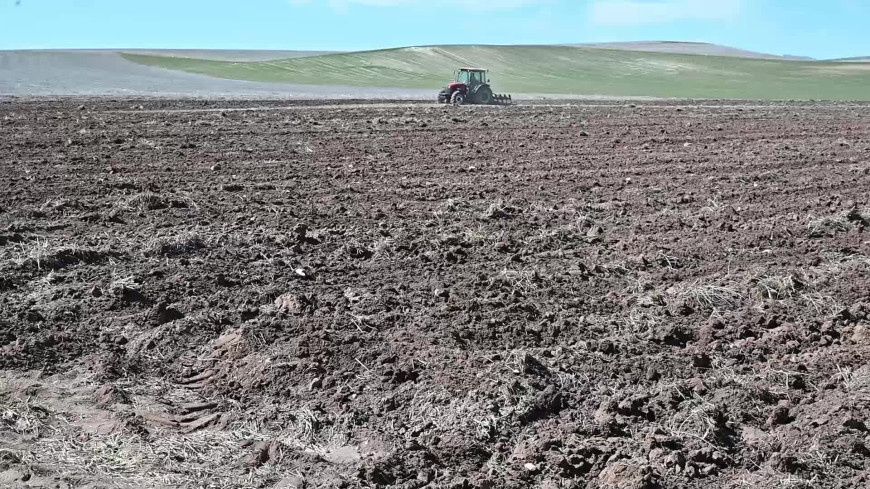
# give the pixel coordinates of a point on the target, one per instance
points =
(462, 77)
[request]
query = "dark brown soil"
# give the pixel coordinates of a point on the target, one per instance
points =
(409, 295)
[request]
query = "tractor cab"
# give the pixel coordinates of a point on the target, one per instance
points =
(471, 77)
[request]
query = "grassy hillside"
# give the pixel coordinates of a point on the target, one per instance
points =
(555, 70)
(678, 47)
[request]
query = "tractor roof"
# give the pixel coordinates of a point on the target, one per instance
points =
(472, 69)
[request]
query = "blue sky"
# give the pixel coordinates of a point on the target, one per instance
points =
(822, 29)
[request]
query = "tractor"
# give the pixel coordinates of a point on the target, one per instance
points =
(471, 86)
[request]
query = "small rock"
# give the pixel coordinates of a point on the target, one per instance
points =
(291, 303)
(656, 454)
(861, 334)
(697, 385)
(530, 467)
(216, 167)
(604, 416)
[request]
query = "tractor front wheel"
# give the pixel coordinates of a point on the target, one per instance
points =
(458, 98)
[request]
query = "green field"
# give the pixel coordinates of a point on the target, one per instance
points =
(555, 70)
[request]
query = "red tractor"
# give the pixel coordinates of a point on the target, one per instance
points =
(471, 87)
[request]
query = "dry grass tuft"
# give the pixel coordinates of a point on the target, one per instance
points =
(711, 297)
(778, 287)
(500, 210)
(61, 206)
(176, 245)
(384, 248)
(482, 236)
(201, 459)
(822, 304)
(566, 233)
(447, 412)
(21, 415)
(315, 432)
(854, 380)
(525, 281)
(145, 201)
(42, 254)
(163, 458)
(826, 226)
(795, 289)
(149, 201)
(697, 419)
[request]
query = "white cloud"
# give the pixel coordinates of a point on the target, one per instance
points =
(478, 5)
(637, 12)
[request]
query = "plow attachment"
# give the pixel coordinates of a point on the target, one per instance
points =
(499, 99)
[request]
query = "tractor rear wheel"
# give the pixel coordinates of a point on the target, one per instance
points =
(484, 96)
(458, 98)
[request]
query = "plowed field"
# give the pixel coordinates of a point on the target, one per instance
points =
(234, 294)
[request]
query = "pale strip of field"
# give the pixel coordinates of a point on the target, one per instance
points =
(107, 73)
(228, 54)
(697, 48)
